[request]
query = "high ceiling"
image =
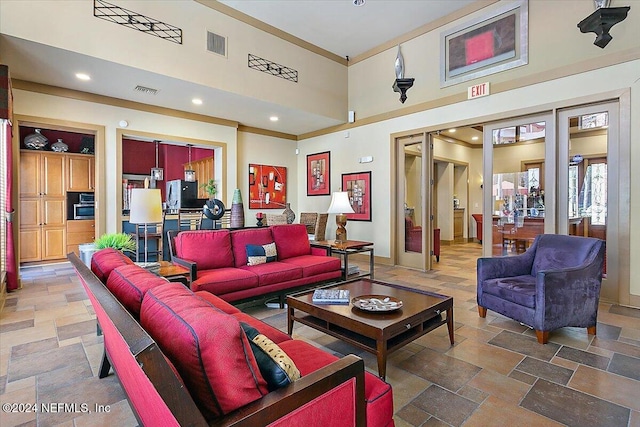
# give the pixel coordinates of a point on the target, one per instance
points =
(334, 25)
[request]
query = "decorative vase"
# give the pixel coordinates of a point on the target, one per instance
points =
(36, 141)
(59, 146)
(237, 210)
(259, 218)
(290, 214)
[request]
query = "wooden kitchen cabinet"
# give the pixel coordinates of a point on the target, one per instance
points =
(80, 232)
(458, 225)
(80, 172)
(42, 206)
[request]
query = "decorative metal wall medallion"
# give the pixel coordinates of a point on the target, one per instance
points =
(128, 18)
(272, 68)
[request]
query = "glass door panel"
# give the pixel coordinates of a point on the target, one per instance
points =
(414, 207)
(515, 154)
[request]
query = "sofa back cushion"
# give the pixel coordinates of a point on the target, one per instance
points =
(129, 283)
(291, 240)
(209, 249)
(241, 238)
(556, 251)
(208, 348)
(104, 261)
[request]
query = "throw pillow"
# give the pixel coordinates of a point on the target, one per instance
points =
(257, 254)
(275, 366)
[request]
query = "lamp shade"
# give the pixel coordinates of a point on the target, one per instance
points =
(340, 203)
(146, 206)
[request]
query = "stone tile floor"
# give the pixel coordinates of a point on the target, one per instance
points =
(495, 374)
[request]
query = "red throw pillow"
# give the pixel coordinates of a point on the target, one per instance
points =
(104, 261)
(129, 283)
(209, 249)
(208, 348)
(291, 240)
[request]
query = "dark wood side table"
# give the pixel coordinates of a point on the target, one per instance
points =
(173, 272)
(380, 333)
(346, 248)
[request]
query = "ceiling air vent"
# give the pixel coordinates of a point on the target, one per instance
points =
(216, 43)
(146, 90)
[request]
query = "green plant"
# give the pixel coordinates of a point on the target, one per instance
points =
(210, 187)
(120, 241)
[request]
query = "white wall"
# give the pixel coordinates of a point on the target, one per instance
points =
(374, 139)
(267, 150)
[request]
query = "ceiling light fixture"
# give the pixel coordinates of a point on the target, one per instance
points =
(189, 174)
(157, 173)
(452, 130)
(197, 101)
(359, 2)
(474, 138)
(273, 118)
(83, 76)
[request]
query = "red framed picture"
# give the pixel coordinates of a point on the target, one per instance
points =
(318, 174)
(267, 187)
(358, 187)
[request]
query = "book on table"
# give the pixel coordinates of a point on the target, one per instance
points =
(330, 296)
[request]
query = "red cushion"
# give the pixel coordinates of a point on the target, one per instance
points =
(224, 280)
(241, 238)
(275, 335)
(377, 393)
(291, 240)
(207, 248)
(274, 272)
(129, 283)
(313, 265)
(208, 348)
(104, 261)
(217, 302)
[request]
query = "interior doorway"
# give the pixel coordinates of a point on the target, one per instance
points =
(413, 210)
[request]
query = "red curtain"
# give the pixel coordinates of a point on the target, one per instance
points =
(12, 270)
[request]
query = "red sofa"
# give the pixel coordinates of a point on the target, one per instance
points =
(218, 261)
(188, 360)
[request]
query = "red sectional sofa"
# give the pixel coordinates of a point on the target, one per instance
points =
(185, 358)
(219, 263)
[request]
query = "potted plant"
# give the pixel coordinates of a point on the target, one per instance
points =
(119, 241)
(211, 188)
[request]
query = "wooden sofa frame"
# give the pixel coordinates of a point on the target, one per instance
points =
(167, 388)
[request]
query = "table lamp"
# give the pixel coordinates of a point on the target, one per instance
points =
(340, 205)
(146, 208)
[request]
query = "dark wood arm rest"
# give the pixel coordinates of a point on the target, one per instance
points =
(188, 264)
(281, 402)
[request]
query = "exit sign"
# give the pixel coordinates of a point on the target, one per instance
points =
(477, 91)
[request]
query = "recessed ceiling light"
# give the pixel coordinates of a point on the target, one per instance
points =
(197, 101)
(452, 130)
(83, 76)
(474, 138)
(273, 118)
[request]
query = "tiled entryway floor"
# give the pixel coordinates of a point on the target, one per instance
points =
(496, 373)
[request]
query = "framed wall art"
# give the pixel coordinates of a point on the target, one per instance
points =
(318, 174)
(491, 43)
(358, 188)
(267, 187)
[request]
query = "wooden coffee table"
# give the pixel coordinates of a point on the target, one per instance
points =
(173, 272)
(380, 333)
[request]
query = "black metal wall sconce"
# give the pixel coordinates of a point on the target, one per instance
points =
(401, 85)
(601, 21)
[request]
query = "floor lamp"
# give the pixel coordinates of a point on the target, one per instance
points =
(340, 205)
(146, 208)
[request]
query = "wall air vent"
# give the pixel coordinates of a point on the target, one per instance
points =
(216, 43)
(146, 90)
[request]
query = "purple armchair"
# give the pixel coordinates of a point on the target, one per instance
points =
(555, 283)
